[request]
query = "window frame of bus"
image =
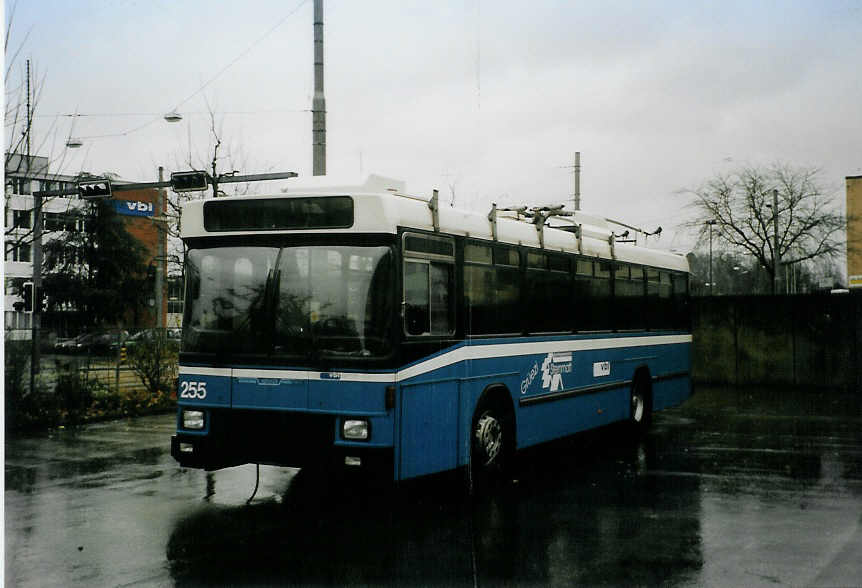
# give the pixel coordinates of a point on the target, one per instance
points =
(628, 302)
(600, 278)
(429, 258)
(503, 258)
(546, 266)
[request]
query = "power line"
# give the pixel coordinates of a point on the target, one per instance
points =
(241, 55)
(196, 92)
(157, 114)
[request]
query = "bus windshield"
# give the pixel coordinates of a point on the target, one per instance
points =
(300, 301)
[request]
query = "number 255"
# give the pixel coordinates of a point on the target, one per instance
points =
(193, 390)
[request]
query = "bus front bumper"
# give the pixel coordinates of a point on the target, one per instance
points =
(193, 451)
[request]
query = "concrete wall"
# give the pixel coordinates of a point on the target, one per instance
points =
(809, 340)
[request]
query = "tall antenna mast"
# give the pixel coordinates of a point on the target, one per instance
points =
(318, 105)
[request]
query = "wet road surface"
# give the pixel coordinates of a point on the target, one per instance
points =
(732, 489)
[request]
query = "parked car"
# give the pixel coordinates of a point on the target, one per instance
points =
(93, 343)
(72, 345)
(131, 341)
(102, 342)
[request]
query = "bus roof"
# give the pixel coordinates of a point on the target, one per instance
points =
(382, 206)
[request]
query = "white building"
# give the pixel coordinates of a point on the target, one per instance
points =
(22, 178)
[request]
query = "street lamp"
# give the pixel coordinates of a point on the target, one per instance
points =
(711, 284)
(76, 142)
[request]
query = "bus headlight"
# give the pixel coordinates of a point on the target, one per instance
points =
(193, 419)
(356, 430)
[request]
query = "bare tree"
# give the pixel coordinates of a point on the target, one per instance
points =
(154, 360)
(807, 220)
(24, 87)
(219, 155)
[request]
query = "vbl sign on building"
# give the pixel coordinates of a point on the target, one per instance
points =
(133, 207)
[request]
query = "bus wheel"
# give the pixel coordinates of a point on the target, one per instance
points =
(641, 411)
(490, 446)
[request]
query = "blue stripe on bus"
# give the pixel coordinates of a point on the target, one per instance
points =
(554, 391)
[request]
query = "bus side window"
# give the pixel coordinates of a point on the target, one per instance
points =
(441, 304)
(428, 304)
(417, 297)
(429, 284)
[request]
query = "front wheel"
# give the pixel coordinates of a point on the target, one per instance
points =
(490, 450)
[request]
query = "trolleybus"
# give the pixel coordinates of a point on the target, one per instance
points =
(361, 327)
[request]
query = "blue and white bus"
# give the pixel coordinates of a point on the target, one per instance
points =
(359, 327)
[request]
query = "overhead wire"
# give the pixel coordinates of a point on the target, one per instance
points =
(242, 54)
(111, 114)
(200, 89)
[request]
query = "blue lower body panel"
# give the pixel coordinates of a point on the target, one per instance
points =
(420, 416)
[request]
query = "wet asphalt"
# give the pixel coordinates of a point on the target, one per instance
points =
(735, 488)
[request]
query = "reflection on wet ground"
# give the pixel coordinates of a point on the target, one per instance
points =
(754, 488)
(563, 522)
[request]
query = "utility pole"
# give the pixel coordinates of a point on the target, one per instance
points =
(215, 177)
(36, 316)
(318, 104)
(576, 172)
(711, 284)
(160, 248)
(777, 254)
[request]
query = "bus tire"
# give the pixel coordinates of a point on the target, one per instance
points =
(491, 443)
(640, 416)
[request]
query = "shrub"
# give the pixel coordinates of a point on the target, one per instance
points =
(154, 360)
(25, 408)
(76, 395)
(17, 363)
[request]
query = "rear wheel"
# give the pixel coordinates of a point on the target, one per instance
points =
(640, 416)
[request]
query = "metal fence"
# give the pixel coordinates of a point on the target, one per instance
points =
(104, 357)
(806, 340)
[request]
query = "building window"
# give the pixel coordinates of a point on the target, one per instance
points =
(58, 221)
(20, 186)
(17, 321)
(19, 252)
(21, 219)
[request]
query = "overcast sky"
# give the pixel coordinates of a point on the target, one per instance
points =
(493, 98)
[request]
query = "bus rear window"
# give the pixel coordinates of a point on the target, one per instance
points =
(330, 212)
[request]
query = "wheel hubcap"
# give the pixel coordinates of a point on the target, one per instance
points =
(489, 437)
(637, 408)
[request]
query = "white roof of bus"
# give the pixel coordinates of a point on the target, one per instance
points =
(382, 206)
